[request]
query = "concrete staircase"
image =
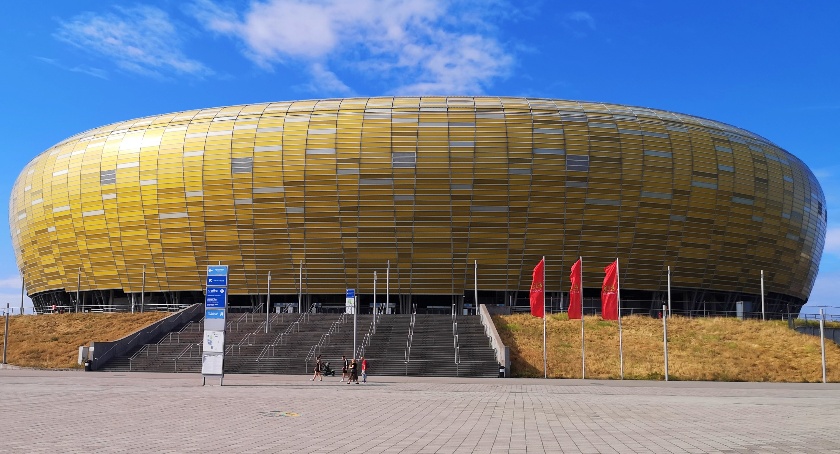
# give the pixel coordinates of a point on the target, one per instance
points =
(293, 341)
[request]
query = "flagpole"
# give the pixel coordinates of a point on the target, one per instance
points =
(545, 358)
(669, 291)
(762, 294)
(618, 294)
(300, 289)
(475, 284)
(665, 341)
(582, 334)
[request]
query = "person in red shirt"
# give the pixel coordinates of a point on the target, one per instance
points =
(364, 370)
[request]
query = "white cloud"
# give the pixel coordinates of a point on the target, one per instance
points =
(582, 17)
(141, 39)
(419, 46)
(11, 282)
(90, 71)
(10, 294)
(326, 80)
(579, 23)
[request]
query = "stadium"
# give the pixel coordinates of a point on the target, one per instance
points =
(420, 202)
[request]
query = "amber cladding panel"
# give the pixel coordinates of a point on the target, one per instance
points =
(430, 184)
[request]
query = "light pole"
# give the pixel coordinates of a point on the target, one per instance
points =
(374, 297)
(267, 302)
(143, 291)
(355, 309)
(822, 340)
(762, 294)
(6, 334)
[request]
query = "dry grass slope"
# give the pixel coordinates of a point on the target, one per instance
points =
(52, 341)
(722, 349)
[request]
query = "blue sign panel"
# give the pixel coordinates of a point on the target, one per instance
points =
(219, 281)
(214, 313)
(217, 270)
(351, 293)
(216, 297)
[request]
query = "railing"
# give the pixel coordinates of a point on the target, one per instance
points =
(368, 337)
(502, 351)
(324, 340)
(108, 350)
(187, 350)
(409, 339)
(456, 344)
(278, 340)
(241, 319)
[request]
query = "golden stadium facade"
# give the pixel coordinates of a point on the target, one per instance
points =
(333, 190)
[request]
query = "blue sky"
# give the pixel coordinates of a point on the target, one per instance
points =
(771, 67)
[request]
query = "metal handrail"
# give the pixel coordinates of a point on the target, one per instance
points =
(360, 352)
(185, 351)
(408, 341)
(457, 346)
(278, 340)
(325, 338)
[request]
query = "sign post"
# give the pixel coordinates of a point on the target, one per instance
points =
(215, 314)
(350, 308)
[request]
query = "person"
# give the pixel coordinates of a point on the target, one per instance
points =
(354, 374)
(344, 366)
(317, 370)
(364, 370)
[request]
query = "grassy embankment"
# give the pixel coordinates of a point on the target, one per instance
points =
(52, 341)
(721, 349)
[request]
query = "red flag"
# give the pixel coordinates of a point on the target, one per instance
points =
(575, 293)
(538, 289)
(609, 293)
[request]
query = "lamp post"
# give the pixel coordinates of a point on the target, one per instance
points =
(6, 334)
(267, 302)
(762, 294)
(143, 291)
(822, 340)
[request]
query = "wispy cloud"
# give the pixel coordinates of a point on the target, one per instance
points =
(10, 282)
(415, 46)
(579, 23)
(142, 40)
(10, 294)
(90, 71)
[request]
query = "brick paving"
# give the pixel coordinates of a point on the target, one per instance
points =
(50, 411)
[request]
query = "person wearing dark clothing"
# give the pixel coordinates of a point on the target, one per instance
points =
(344, 366)
(317, 370)
(354, 373)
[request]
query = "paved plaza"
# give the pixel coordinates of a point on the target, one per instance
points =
(50, 411)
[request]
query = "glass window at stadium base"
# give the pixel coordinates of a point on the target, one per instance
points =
(427, 192)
